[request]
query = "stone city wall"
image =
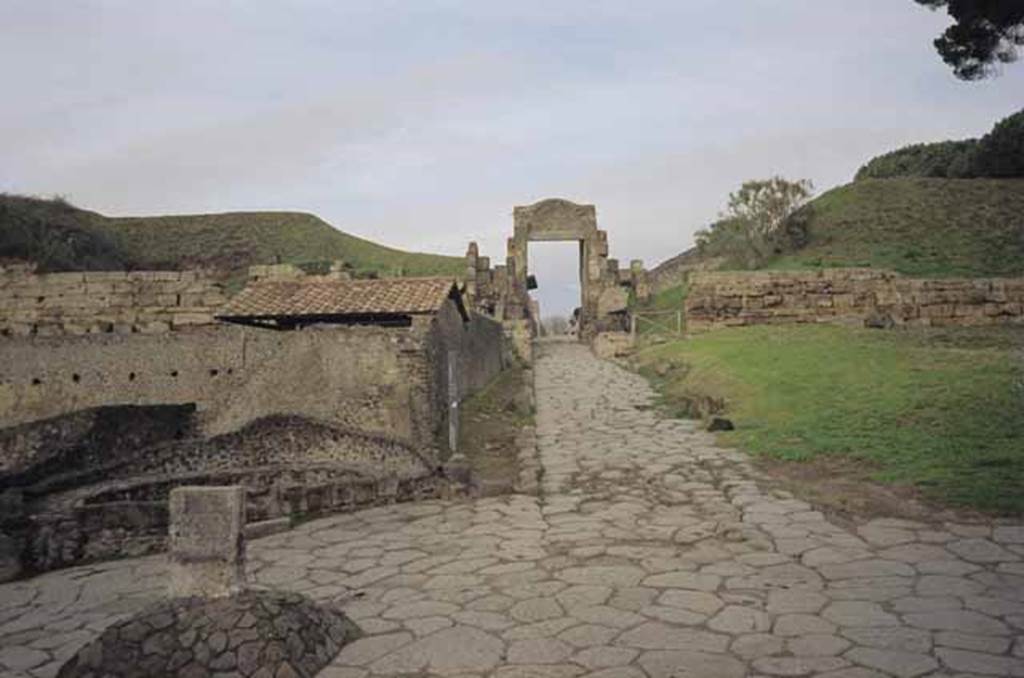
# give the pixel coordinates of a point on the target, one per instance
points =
(849, 296)
(120, 302)
(361, 378)
(673, 272)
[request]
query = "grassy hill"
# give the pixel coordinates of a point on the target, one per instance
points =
(918, 227)
(59, 236)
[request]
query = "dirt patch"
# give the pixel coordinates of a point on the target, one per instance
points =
(842, 488)
(490, 422)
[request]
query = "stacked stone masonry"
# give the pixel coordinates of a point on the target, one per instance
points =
(122, 302)
(850, 296)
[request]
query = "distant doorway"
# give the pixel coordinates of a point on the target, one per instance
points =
(556, 266)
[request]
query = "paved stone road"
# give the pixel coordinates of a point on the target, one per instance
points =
(651, 553)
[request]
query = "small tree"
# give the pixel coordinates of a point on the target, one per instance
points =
(754, 222)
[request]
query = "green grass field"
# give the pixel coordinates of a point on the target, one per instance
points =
(942, 411)
(918, 227)
(63, 237)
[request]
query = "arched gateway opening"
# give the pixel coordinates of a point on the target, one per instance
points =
(605, 289)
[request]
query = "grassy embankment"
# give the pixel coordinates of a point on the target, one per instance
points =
(941, 411)
(59, 236)
(917, 227)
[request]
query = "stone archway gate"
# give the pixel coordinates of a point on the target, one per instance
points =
(605, 288)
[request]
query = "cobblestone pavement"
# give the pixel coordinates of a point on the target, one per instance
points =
(651, 552)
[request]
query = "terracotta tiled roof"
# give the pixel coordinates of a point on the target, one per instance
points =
(320, 297)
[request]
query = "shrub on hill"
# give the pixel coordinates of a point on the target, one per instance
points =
(55, 235)
(999, 154)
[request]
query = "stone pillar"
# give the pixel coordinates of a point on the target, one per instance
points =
(206, 547)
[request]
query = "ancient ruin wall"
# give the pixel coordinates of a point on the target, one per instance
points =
(104, 302)
(478, 350)
(361, 378)
(850, 296)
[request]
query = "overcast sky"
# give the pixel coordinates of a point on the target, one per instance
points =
(420, 124)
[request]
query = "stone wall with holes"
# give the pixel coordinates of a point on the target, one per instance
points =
(850, 296)
(109, 302)
(368, 379)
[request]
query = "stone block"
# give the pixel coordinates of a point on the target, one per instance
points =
(188, 319)
(206, 546)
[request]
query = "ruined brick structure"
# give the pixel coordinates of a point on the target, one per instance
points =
(298, 388)
(851, 296)
(503, 291)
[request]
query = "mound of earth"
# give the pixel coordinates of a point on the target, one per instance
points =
(261, 634)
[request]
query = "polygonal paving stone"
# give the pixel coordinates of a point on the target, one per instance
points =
(424, 626)
(684, 580)
(698, 601)
(916, 553)
(817, 645)
(902, 664)
(736, 619)
(419, 609)
(584, 595)
(537, 671)
(20, 658)
(980, 551)
(858, 613)
(977, 662)
(965, 621)
(867, 568)
(756, 645)
(899, 638)
(790, 601)
(488, 621)
(460, 648)
(802, 625)
(365, 650)
(1008, 534)
(673, 615)
(668, 664)
(941, 585)
(884, 536)
(603, 575)
(606, 616)
(539, 651)
(618, 672)
(536, 609)
(797, 666)
(976, 643)
(602, 657)
(588, 635)
(658, 636)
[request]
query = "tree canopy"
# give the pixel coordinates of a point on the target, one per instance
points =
(760, 220)
(997, 155)
(985, 33)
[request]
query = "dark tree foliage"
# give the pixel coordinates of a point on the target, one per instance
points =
(55, 235)
(947, 159)
(999, 154)
(986, 33)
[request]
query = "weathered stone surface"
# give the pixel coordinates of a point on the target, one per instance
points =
(895, 662)
(251, 630)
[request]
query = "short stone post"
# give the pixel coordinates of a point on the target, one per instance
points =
(206, 545)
